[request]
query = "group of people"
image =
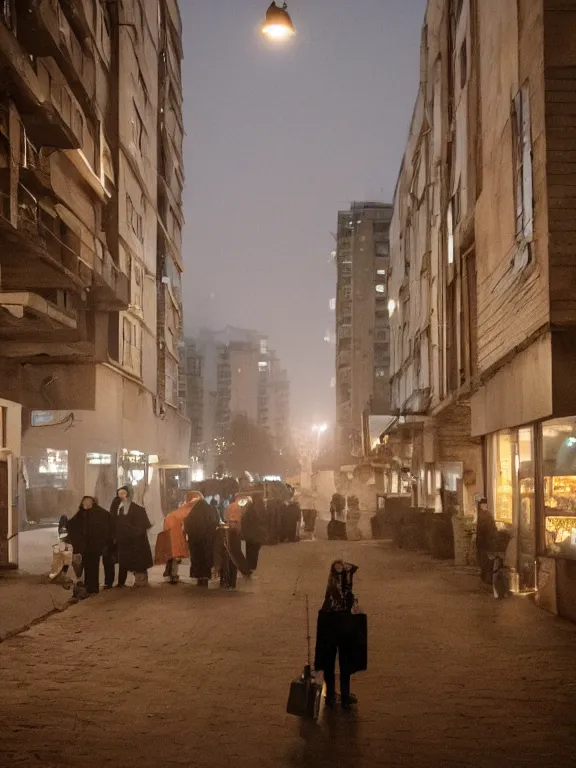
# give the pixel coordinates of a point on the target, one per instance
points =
(117, 537)
(212, 538)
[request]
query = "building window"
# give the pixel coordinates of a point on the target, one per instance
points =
(137, 128)
(380, 228)
(132, 346)
(380, 373)
(332, 305)
(347, 292)
(463, 61)
(380, 288)
(134, 219)
(382, 249)
(137, 286)
(381, 272)
(559, 470)
(522, 148)
(503, 492)
(171, 372)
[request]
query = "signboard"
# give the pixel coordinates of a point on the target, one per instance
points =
(42, 418)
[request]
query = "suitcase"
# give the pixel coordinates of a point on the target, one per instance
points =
(305, 695)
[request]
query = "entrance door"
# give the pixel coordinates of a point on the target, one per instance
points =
(525, 508)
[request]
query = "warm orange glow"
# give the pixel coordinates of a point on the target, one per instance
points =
(278, 31)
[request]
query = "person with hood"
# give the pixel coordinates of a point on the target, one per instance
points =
(176, 540)
(340, 632)
(130, 526)
(254, 529)
(90, 534)
(200, 527)
(337, 524)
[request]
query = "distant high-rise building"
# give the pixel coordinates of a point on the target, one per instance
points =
(230, 373)
(362, 325)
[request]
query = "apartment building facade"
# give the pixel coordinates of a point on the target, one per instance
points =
(92, 174)
(362, 325)
(483, 329)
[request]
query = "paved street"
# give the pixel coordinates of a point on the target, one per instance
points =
(171, 676)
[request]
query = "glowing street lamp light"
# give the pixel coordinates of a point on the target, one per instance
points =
(278, 24)
(320, 428)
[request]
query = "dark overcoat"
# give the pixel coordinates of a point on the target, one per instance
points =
(348, 634)
(131, 537)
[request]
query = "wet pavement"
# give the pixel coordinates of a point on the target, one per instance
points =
(175, 676)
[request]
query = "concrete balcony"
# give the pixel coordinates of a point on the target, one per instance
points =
(17, 71)
(48, 109)
(61, 122)
(45, 31)
(110, 290)
(35, 254)
(26, 316)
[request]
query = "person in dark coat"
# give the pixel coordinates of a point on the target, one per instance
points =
(200, 528)
(340, 632)
(486, 538)
(254, 528)
(337, 524)
(90, 534)
(130, 525)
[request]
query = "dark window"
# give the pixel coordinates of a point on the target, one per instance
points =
(463, 64)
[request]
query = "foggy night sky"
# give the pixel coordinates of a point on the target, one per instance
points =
(278, 139)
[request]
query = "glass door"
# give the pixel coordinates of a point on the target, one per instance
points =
(525, 509)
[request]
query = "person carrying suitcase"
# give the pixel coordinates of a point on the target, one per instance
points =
(341, 631)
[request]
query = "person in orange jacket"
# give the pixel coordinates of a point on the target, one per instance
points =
(173, 526)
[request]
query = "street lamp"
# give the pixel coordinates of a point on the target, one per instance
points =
(278, 24)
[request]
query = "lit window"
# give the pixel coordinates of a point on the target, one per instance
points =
(263, 366)
(380, 288)
(332, 305)
(380, 373)
(263, 346)
(381, 272)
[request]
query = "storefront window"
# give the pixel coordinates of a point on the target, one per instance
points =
(101, 476)
(503, 491)
(49, 470)
(559, 470)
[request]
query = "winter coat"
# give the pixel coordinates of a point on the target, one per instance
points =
(201, 522)
(131, 537)
(486, 532)
(90, 531)
(234, 514)
(173, 525)
(255, 523)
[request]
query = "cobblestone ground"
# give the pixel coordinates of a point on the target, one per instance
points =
(172, 676)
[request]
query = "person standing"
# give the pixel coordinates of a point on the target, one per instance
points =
(486, 540)
(337, 524)
(130, 525)
(340, 633)
(90, 533)
(254, 528)
(200, 527)
(174, 527)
